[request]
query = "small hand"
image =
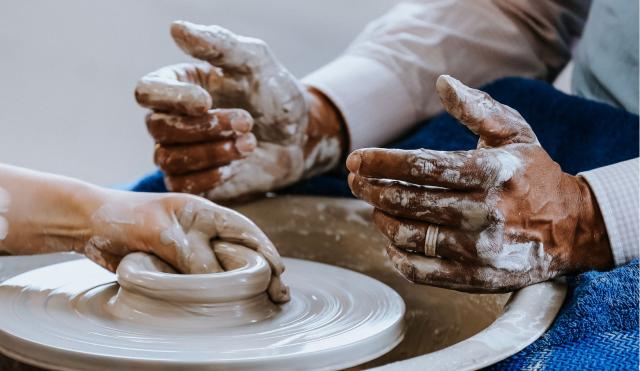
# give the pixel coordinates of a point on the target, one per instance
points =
(179, 229)
(507, 215)
(206, 117)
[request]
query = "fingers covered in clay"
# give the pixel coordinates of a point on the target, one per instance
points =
(215, 124)
(204, 222)
(456, 170)
(231, 226)
(243, 115)
(278, 291)
(434, 205)
(182, 159)
(409, 235)
(495, 123)
(428, 270)
(460, 170)
(235, 227)
(181, 88)
(455, 275)
(185, 250)
(219, 46)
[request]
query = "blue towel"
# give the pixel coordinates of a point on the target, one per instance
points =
(597, 327)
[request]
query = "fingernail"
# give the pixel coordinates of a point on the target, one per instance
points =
(246, 144)
(353, 162)
(241, 122)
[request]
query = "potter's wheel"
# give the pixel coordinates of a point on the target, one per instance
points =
(55, 317)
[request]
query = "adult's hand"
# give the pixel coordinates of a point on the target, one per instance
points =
(237, 124)
(507, 215)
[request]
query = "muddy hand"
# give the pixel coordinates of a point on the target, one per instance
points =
(233, 125)
(177, 228)
(506, 214)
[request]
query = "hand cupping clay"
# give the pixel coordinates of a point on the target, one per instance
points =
(187, 233)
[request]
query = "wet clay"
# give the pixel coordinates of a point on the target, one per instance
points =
(152, 292)
(93, 324)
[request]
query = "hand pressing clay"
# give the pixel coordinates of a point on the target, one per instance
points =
(237, 124)
(493, 219)
(42, 213)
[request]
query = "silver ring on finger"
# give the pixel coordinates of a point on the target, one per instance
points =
(431, 240)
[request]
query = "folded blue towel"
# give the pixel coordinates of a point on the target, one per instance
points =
(596, 329)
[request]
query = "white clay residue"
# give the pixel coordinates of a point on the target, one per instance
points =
(451, 176)
(499, 164)
(269, 167)
(509, 164)
(326, 152)
(405, 234)
(514, 257)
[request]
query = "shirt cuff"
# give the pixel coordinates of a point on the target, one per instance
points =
(616, 190)
(373, 101)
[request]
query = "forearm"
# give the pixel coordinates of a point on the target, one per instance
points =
(43, 212)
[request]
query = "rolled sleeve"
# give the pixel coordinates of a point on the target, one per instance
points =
(616, 189)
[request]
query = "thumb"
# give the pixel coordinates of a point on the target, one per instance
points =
(219, 46)
(495, 123)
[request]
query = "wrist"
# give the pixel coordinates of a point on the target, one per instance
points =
(327, 140)
(591, 247)
(86, 200)
(69, 227)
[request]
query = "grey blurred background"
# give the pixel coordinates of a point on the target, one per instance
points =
(68, 69)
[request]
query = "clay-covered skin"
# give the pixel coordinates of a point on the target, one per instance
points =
(43, 213)
(237, 124)
(508, 216)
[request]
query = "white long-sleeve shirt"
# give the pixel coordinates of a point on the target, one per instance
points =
(385, 82)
